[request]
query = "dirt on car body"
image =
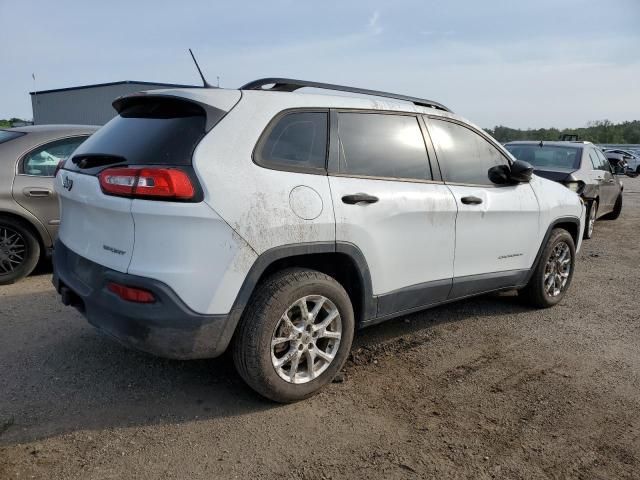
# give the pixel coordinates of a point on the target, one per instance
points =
(485, 388)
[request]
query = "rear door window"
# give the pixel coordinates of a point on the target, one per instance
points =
(296, 141)
(604, 163)
(382, 145)
(464, 156)
(43, 161)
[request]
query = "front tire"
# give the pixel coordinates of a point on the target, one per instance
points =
(295, 335)
(19, 250)
(552, 276)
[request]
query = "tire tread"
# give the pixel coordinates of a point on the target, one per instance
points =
(246, 345)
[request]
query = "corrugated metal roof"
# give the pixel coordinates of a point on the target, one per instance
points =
(91, 104)
(124, 82)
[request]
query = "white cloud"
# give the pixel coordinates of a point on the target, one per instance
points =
(374, 23)
(431, 33)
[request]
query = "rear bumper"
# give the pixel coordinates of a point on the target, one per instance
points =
(167, 328)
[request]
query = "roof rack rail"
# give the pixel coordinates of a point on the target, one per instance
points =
(290, 85)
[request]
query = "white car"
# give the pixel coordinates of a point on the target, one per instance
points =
(276, 223)
(632, 158)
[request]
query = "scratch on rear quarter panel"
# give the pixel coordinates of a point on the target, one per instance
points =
(245, 256)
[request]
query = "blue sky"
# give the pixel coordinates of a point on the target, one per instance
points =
(519, 63)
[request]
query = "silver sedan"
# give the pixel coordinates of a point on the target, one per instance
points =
(29, 214)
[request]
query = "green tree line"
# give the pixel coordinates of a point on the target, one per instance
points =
(6, 123)
(600, 131)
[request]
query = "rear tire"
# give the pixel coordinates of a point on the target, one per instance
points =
(19, 250)
(276, 333)
(592, 212)
(617, 209)
(553, 273)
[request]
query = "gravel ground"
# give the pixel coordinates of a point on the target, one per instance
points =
(483, 388)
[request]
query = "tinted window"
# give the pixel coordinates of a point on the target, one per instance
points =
(44, 160)
(604, 163)
(297, 141)
(547, 156)
(595, 161)
(158, 132)
(6, 135)
(464, 156)
(380, 145)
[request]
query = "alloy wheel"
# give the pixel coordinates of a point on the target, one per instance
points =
(13, 250)
(557, 269)
(592, 218)
(306, 339)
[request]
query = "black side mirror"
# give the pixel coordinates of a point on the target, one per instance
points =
(500, 174)
(519, 172)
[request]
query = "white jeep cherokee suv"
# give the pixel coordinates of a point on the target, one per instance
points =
(276, 223)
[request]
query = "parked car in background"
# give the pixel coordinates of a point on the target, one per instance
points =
(621, 167)
(29, 214)
(631, 158)
(277, 223)
(581, 167)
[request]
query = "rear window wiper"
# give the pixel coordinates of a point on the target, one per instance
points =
(93, 161)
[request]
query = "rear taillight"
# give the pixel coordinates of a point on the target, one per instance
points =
(159, 183)
(131, 294)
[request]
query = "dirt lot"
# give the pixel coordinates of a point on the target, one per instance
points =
(484, 388)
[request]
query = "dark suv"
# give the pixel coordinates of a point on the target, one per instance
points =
(581, 167)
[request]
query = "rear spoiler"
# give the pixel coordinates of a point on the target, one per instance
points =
(180, 105)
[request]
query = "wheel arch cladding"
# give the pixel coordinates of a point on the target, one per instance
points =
(570, 225)
(342, 261)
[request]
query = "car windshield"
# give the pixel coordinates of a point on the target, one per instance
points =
(6, 135)
(547, 156)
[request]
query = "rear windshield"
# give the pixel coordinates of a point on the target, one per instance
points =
(6, 135)
(547, 156)
(159, 132)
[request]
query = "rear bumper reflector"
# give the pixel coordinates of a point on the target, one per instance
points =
(131, 294)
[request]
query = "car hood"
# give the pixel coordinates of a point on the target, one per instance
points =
(555, 174)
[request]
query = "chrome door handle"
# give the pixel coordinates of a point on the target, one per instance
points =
(36, 192)
(471, 200)
(357, 198)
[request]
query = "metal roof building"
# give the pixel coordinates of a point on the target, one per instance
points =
(88, 104)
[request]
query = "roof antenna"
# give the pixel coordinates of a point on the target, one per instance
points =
(204, 80)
